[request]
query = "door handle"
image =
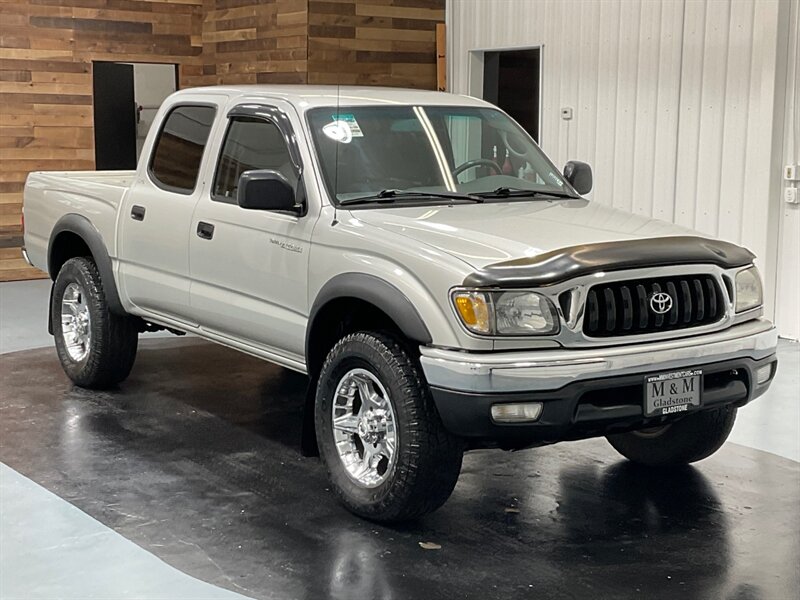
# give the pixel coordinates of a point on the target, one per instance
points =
(205, 230)
(137, 212)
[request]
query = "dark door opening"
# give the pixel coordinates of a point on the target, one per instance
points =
(511, 81)
(114, 116)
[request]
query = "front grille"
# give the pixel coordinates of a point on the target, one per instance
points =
(624, 307)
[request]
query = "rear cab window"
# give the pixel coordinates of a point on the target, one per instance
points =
(178, 149)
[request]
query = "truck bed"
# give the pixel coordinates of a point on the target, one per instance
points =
(81, 180)
(49, 195)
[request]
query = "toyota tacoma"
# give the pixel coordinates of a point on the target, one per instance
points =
(443, 284)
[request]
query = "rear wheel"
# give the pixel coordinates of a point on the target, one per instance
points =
(96, 347)
(694, 437)
(387, 453)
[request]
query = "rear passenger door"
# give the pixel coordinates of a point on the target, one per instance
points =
(156, 216)
(249, 267)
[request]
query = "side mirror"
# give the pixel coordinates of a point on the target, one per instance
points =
(266, 189)
(579, 176)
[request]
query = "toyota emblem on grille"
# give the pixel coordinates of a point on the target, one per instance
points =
(661, 303)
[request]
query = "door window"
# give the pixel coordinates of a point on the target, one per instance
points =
(179, 148)
(250, 144)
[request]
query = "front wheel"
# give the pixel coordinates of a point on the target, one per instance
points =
(694, 437)
(387, 453)
(95, 346)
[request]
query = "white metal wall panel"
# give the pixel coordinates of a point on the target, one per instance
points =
(761, 193)
(674, 101)
(737, 107)
(602, 116)
(615, 62)
(788, 308)
(666, 142)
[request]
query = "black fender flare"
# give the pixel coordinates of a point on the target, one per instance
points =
(83, 228)
(381, 294)
(377, 292)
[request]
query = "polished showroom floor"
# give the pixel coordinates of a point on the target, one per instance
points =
(187, 482)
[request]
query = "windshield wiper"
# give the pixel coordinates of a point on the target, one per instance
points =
(389, 196)
(507, 192)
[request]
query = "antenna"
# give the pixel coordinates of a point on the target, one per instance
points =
(336, 160)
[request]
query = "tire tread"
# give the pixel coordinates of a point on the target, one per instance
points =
(427, 474)
(689, 440)
(113, 351)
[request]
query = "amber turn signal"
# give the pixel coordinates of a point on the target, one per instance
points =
(474, 311)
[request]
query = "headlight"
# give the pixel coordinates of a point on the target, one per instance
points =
(506, 313)
(748, 290)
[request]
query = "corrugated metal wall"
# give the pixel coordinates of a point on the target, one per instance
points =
(788, 306)
(674, 101)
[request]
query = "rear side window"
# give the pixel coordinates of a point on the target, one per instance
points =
(250, 144)
(179, 148)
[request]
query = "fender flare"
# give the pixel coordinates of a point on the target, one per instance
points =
(378, 292)
(83, 228)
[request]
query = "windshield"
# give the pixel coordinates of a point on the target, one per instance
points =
(366, 150)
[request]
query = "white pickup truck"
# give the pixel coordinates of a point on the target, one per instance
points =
(443, 285)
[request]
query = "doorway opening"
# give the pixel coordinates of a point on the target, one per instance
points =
(126, 98)
(511, 81)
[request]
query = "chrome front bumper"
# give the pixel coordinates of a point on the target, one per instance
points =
(540, 370)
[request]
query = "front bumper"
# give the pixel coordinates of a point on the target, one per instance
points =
(590, 392)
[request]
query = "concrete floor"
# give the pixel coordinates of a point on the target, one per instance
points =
(23, 316)
(187, 482)
(51, 549)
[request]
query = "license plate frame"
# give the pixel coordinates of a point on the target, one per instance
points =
(672, 392)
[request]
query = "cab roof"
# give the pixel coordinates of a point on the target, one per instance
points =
(305, 97)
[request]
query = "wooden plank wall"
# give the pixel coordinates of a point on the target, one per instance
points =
(367, 42)
(373, 42)
(46, 53)
(252, 41)
(47, 48)
(441, 57)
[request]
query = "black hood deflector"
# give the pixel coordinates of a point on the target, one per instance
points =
(563, 264)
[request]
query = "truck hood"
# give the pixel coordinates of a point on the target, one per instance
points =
(482, 234)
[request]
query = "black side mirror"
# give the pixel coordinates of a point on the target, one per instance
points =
(266, 189)
(579, 175)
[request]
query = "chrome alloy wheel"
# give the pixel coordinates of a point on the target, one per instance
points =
(76, 322)
(364, 428)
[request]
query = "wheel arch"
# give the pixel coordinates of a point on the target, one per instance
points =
(74, 235)
(346, 303)
(364, 297)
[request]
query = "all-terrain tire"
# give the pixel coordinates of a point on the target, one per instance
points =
(428, 458)
(694, 437)
(113, 339)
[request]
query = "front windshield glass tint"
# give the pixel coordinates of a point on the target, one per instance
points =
(364, 150)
